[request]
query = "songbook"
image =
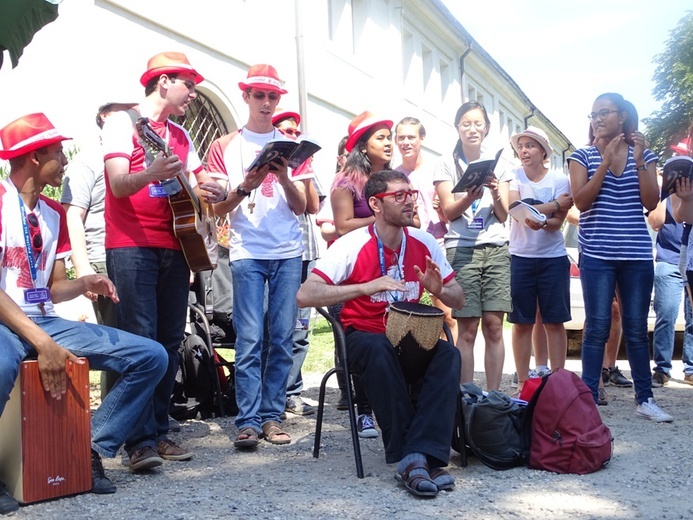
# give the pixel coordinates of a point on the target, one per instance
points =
(476, 173)
(675, 168)
(297, 152)
(522, 211)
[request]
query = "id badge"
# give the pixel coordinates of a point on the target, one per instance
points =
(477, 223)
(38, 295)
(157, 191)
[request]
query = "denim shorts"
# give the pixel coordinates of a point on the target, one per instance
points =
(484, 274)
(545, 281)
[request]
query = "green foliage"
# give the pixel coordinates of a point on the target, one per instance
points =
(674, 87)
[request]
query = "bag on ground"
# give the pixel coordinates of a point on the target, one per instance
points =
(489, 425)
(563, 431)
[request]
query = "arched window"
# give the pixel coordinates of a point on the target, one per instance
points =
(204, 123)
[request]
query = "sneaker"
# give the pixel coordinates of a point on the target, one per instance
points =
(297, 406)
(688, 379)
(659, 379)
(7, 502)
(366, 426)
(532, 374)
(169, 450)
(145, 458)
(618, 379)
(542, 372)
(100, 483)
(650, 410)
(173, 425)
(601, 397)
(342, 404)
(605, 377)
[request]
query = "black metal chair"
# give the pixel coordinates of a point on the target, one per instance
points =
(340, 347)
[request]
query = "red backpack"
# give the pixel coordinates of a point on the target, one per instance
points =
(563, 431)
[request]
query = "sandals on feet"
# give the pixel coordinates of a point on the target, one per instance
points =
(273, 433)
(411, 482)
(246, 438)
(437, 473)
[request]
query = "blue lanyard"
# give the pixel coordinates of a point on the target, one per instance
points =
(476, 202)
(27, 242)
(400, 259)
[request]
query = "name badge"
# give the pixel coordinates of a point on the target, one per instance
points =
(157, 191)
(477, 223)
(39, 295)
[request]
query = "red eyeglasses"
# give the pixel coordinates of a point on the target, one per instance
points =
(400, 196)
(35, 232)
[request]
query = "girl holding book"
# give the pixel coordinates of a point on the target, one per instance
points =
(477, 243)
(612, 182)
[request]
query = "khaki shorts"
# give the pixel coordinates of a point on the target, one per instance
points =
(484, 274)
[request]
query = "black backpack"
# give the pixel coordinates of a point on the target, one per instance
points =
(489, 426)
(195, 387)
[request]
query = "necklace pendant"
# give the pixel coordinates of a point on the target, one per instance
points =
(251, 207)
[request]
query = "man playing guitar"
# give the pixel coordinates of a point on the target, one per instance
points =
(144, 258)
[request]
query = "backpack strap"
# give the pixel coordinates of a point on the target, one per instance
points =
(527, 419)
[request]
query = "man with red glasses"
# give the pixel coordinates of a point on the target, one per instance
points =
(368, 269)
(265, 248)
(34, 243)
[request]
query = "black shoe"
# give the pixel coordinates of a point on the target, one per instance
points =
(342, 404)
(618, 379)
(100, 483)
(605, 377)
(7, 502)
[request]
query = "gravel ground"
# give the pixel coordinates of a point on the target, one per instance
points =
(650, 476)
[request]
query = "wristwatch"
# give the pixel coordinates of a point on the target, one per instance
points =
(241, 192)
(641, 167)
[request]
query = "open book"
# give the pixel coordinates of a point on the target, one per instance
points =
(521, 211)
(295, 151)
(675, 168)
(476, 173)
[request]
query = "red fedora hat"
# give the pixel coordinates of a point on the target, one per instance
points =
(26, 134)
(280, 115)
(168, 63)
(683, 148)
(264, 77)
(360, 125)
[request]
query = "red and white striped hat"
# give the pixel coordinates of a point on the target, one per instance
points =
(26, 134)
(264, 77)
(683, 148)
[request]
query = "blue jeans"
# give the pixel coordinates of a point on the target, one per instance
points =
(634, 279)
(153, 286)
(668, 289)
(125, 415)
(261, 393)
(294, 384)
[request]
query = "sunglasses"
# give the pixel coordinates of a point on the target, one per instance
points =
(35, 232)
(291, 131)
(400, 196)
(272, 96)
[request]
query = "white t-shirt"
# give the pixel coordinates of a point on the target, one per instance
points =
(524, 241)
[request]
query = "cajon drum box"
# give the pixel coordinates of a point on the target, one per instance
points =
(45, 444)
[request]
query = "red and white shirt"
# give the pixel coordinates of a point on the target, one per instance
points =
(354, 259)
(16, 274)
(142, 220)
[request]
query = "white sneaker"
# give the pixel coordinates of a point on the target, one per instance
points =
(366, 426)
(650, 410)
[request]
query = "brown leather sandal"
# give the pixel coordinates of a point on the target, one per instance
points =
(246, 438)
(272, 432)
(411, 482)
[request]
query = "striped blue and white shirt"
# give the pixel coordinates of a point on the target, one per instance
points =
(614, 227)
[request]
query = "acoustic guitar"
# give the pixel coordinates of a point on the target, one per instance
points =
(193, 223)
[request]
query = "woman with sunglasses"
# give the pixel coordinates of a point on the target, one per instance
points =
(477, 244)
(612, 181)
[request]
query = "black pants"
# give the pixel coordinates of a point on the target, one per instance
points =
(426, 429)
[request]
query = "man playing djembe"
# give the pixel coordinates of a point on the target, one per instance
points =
(368, 269)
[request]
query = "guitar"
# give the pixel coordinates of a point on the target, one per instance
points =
(193, 223)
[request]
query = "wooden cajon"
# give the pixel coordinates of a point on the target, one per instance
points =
(45, 444)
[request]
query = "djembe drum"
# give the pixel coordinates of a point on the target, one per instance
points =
(414, 330)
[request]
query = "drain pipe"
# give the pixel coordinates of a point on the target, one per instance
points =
(533, 111)
(469, 49)
(301, 69)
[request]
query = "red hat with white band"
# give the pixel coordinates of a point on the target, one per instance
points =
(360, 125)
(683, 148)
(263, 77)
(281, 115)
(26, 134)
(168, 63)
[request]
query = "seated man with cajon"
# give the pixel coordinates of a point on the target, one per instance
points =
(34, 243)
(368, 269)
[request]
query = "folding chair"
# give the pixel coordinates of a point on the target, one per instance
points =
(340, 346)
